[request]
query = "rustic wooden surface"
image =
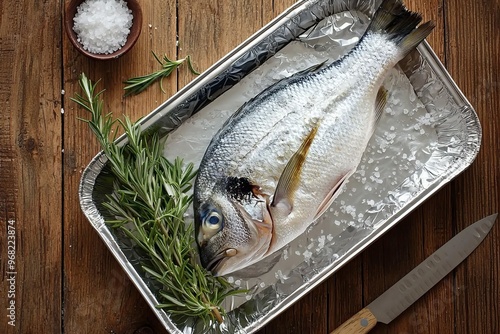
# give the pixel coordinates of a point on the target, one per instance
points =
(67, 281)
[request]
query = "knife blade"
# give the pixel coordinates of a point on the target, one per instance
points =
(417, 282)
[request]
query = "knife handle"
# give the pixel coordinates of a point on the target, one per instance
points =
(361, 322)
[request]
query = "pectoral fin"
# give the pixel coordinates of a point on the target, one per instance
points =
(289, 180)
(330, 197)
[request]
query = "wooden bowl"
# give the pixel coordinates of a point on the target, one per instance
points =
(135, 30)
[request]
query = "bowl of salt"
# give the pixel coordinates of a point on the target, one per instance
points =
(103, 29)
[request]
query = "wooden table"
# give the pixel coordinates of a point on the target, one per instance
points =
(67, 281)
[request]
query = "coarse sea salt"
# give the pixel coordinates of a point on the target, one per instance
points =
(102, 26)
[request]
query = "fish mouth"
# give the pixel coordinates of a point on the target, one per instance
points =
(216, 262)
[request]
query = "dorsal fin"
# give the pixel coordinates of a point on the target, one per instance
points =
(380, 102)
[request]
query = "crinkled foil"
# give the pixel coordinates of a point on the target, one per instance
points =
(428, 134)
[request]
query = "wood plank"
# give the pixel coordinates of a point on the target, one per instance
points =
(474, 63)
(30, 165)
(345, 293)
(381, 263)
(208, 30)
(98, 297)
(417, 236)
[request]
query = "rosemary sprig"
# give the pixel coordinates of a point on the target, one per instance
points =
(138, 84)
(149, 203)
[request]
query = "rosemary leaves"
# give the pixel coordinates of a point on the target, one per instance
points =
(148, 205)
(138, 84)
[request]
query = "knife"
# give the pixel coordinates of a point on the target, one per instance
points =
(407, 290)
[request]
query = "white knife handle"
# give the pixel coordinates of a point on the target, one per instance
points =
(361, 322)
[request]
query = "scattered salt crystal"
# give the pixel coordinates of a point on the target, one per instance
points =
(102, 26)
(390, 136)
(427, 119)
(321, 241)
(230, 279)
(329, 237)
(307, 255)
(62, 92)
(351, 210)
(62, 110)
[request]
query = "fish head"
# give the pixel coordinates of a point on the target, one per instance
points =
(231, 233)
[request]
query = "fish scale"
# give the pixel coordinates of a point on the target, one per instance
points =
(287, 152)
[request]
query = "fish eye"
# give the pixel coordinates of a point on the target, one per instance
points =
(213, 220)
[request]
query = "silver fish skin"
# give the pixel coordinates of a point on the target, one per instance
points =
(278, 163)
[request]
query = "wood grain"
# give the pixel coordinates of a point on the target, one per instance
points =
(474, 61)
(68, 282)
(362, 322)
(98, 297)
(30, 162)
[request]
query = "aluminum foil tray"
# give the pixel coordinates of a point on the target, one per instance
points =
(428, 134)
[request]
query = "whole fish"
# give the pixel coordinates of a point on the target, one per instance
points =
(278, 163)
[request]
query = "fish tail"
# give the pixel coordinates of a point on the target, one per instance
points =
(399, 24)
